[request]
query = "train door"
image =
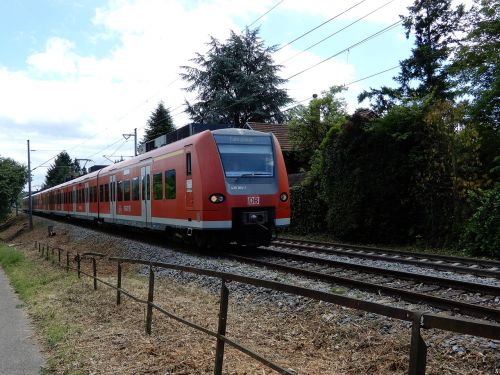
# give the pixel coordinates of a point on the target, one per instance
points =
(112, 197)
(189, 179)
(146, 195)
(87, 203)
(74, 199)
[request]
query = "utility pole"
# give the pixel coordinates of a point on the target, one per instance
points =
(30, 206)
(134, 134)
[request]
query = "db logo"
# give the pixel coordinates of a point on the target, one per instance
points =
(253, 201)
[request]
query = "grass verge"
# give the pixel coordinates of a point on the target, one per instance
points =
(35, 284)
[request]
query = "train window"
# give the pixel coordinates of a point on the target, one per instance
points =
(157, 186)
(101, 193)
(135, 188)
(91, 195)
(126, 190)
(106, 193)
(170, 184)
(246, 156)
(94, 193)
(119, 191)
(188, 164)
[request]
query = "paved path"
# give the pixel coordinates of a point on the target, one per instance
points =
(19, 353)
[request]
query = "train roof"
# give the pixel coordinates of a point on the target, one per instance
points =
(154, 153)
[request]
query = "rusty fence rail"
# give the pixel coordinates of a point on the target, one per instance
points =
(419, 320)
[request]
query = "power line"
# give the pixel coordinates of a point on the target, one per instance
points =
(372, 75)
(278, 3)
(317, 27)
(336, 32)
(380, 32)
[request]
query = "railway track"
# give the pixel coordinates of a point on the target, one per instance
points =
(472, 299)
(476, 267)
(469, 298)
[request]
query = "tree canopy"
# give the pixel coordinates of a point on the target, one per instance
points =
(160, 122)
(236, 81)
(13, 177)
(62, 170)
(433, 23)
(309, 125)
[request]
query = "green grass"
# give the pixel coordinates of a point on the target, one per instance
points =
(35, 284)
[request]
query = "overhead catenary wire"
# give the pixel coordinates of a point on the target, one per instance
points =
(320, 25)
(372, 75)
(380, 32)
(335, 33)
(256, 20)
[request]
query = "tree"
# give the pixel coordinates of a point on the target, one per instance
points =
(62, 170)
(13, 177)
(159, 123)
(477, 74)
(309, 125)
(425, 73)
(476, 63)
(236, 81)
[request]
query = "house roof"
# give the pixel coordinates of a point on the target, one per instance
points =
(279, 130)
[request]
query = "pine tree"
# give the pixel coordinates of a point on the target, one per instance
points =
(433, 23)
(236, 81)
(62, 170)
(159, 123)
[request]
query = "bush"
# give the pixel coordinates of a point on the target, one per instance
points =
(308, 212)
(481, 236)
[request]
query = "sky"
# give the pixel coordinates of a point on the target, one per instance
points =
(77, 74)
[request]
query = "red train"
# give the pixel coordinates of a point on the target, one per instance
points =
(215, 186)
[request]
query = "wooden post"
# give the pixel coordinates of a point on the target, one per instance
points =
(149, 311)
(119, 284)
(78, 264)
(94, 271)
(418, 349)
(219, 352)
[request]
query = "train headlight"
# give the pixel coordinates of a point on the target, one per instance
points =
(216, 198)
(283, 197)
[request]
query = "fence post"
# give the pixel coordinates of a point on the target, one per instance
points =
(149, 311)
(52, 255)
(42, 252)
(59, 255)
(35, 243)
(78, 264)
(219, 352)
(418, 349)
(67, 261)
(119, 284)
(94, 271)
(47, 253)
(39, 247)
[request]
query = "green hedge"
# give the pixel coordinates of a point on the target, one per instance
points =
(308, 212)
(481, 236)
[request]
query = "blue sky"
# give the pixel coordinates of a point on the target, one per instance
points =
(75, 75)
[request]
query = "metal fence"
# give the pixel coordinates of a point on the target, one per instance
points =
(419, 320)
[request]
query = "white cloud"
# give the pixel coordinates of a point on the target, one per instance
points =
(101, 98)
(57, 58)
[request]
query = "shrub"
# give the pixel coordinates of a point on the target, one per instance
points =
(481, 234)
(308, 211)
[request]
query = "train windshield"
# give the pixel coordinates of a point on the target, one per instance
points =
(246, 156)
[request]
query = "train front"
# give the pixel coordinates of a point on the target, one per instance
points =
(256, 184)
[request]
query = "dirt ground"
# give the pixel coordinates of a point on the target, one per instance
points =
(316, 338)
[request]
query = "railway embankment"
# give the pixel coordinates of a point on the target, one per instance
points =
(84, 331)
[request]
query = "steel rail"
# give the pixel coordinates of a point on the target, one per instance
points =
(494, 264)
(397, 258)
(449, 283)
(410, 296)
